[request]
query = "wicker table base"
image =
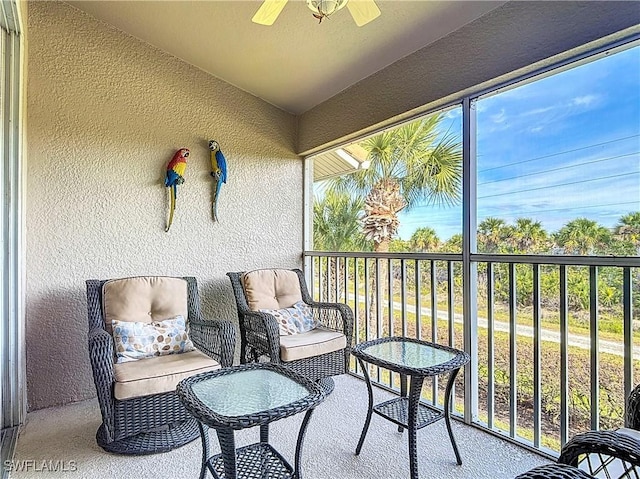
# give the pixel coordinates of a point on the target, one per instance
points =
(273, 464)
(416, 360)
(255, 461)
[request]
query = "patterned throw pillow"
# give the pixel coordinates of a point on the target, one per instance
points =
(134, 340)
(296, 319)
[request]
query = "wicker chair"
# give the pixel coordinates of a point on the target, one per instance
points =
(259, 331)
(609, 454)
(155, 420)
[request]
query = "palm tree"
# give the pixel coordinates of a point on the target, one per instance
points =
(412, 164)
(491, 234)
(408, 165)
(335, 223)
(336, 228)
(398, 245)
(424, 239)
(628, 229)
(453, 244)
(583, 236)
(529, 236)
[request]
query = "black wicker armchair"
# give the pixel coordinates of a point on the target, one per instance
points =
(151, 418)
(610, 454)
(260, 335)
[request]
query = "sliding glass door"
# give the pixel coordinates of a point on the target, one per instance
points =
(12, 386)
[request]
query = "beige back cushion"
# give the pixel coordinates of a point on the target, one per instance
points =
(271, 288)
(144, 299)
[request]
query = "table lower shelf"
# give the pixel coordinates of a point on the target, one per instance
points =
(256, 461)
(397, 411)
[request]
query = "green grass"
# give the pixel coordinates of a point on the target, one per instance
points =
(609, 326)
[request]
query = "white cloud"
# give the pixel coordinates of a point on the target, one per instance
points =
(539, 111)
(499, 117)
(584, 100)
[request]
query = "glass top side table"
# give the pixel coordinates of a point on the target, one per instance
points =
(418, 360)
(246, 396)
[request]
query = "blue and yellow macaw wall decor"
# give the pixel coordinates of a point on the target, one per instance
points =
(218, 172)
(175, 177)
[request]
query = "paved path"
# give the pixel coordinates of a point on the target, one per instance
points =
(575, 340)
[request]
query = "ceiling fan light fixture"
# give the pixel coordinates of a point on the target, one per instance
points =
(323, 8)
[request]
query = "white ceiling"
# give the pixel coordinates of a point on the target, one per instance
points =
(295, 64)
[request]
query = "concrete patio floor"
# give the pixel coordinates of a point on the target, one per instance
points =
(68, 434)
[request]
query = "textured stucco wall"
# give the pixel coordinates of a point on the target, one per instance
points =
(106, 112)
(509, 38)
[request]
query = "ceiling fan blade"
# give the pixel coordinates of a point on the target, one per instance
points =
(363, 11)
(268, 12)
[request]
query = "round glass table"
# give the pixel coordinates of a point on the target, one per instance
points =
(246, 396)
(418, 360)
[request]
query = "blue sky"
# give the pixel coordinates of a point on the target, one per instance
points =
(554, 149)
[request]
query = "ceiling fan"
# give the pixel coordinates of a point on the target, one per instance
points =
(362, 11)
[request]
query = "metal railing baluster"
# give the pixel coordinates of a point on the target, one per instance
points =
(367, 310)
(490, 347)
(379, 294)
(320, 281)
(328, 279)
(390, 306)
(346, 280)
(564, 356)
(450, 303)
(337, 278)
(312, 274)
(627, 299)
(513, 353)
(434, 322)
(390, 314)
(418, 296)
(403, 294)
(451, 321)
(356, 303)
(594, 353)
(537, 404)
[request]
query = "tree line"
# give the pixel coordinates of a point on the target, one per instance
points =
(338, 227)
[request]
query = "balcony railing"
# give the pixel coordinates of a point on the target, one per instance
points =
(551, 337)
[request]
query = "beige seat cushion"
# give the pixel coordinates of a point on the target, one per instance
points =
(312, 343)
(144, 299)
(271, 288)
(159, 374)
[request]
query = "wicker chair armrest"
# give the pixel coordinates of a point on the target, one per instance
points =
(101, 357)
(633, 409)
(555, 471)
(336, 316)
(262, 332)
(610, 443)
(217, 339)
